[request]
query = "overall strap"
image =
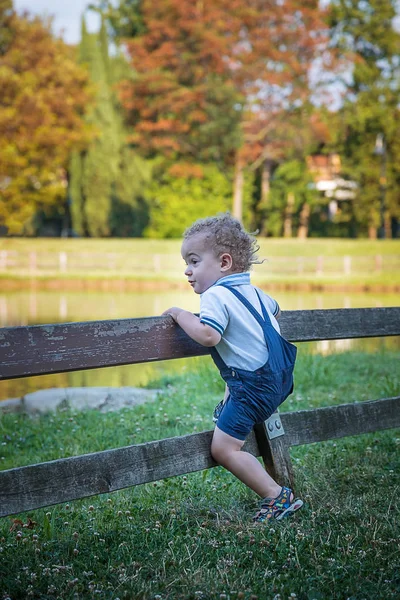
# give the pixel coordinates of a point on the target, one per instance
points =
(282, 354)
(217, 358)
(262, 321)
(214, 352)
(264, 310)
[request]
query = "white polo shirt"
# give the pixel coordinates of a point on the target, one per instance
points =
(242, 343)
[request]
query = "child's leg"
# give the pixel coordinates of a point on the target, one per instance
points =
(226, 450)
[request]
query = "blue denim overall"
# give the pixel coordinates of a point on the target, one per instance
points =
(255, 395)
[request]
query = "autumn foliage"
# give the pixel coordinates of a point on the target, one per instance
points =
(44, 94)
(219, 81)
(210, 100)
(210, 67)
(181, 102)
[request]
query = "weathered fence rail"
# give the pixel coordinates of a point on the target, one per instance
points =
(41, 349)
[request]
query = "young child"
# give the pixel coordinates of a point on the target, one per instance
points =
(239, 323)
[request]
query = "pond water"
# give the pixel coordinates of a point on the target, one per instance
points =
(30, 307)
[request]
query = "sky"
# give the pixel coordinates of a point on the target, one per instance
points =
(67, 16)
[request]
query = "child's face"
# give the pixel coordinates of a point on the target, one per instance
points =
(203, 267)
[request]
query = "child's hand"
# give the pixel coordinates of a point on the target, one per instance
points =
(190, 323)
(174, 311)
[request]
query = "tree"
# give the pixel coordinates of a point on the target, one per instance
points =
(292, 197)
(280, 42)
(6, 28)
(180, 102)
(99, 163)
(107, 178)
(365, 35)
(44, 95)
(288, 136)
(201, 190)
(124, 17)
(255, 54)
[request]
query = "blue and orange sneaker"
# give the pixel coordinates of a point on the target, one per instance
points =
(278, 508)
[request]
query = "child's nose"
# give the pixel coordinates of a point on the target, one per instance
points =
(188, 270)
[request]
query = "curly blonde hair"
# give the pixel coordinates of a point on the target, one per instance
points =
(224, 233)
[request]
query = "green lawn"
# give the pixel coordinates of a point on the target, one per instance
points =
(268, 246)
(313, 262)
(192, 537)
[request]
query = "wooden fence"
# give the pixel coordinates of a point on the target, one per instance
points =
(41, 349)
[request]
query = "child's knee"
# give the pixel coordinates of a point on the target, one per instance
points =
(217, 452)
(221, 452)
(223, 446)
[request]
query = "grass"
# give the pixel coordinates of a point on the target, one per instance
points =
(143, 262)
(275, 246)
(191, 537)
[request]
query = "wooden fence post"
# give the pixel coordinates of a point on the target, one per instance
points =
(320, 265)
(32, 261)
(3, 259)
(62, 261)
(274, 450)
(156, 263)
(300, 265)
(112, 261)
(347, 265)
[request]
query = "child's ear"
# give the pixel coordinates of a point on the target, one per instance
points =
(226, 261)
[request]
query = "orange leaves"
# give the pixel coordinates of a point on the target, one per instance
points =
(178, 60)
(186, 170)
(202, 67)
(42, 80)
(161, 125)
(45, 96)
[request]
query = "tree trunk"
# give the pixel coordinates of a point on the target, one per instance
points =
(262, 206)
(265, 185)
(388, 226)
(304, 220)
(237, 209)
(372, 232)
(287, 223)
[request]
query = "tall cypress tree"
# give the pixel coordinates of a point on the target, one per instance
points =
(103, 41)
(77, 158)
(96, 175)
(101, 161)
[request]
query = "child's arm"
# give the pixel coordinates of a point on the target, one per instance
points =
(199, 332)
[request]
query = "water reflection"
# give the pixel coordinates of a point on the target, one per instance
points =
(3, 311)
(39, 307)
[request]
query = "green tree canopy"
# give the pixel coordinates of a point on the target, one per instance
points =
(365, 34)
(203, 192)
